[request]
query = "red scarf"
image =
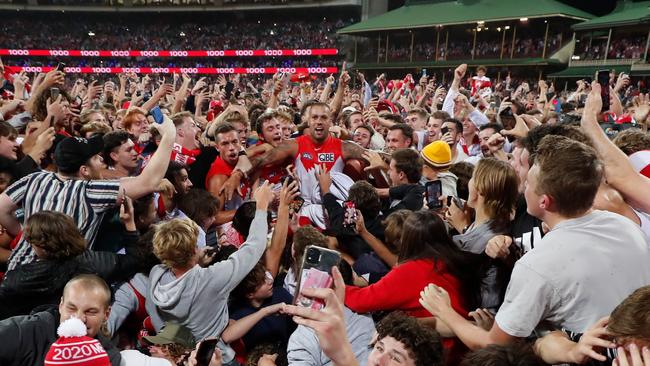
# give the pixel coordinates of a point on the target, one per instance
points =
(183, 155)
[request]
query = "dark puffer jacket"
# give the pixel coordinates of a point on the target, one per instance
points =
(27, 339)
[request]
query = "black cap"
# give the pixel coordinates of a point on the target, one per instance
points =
(73, 152)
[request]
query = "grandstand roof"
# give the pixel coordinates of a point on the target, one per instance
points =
(588, 71)
(420, 14)
(626, 13)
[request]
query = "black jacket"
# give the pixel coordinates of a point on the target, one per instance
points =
(406, 196)
(346, 236)
(198, 171)
(42, 282)
(27, 339)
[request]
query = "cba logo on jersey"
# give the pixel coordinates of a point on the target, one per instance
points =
(326, 157)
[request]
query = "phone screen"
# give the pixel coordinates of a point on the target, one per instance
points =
(603, 80)
(157, 115)
(296, 204)
(205, 352)
(315, 272)
(54, 93)
(433, 191)
(349, 214)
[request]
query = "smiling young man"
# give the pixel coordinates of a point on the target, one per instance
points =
(27, 339)
(119, 155)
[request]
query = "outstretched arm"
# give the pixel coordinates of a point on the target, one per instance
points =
(276, 155)
(353, 151)
(620, 174)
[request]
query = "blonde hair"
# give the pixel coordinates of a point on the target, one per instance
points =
(497, 182)
(95, 128)
(174, 242)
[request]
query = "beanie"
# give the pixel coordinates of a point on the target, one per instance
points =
(75, 348)
(437, 154)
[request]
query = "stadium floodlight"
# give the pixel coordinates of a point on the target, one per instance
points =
(575, 57)
(182, 34)
(507, 27)
(523, 19)
(91, 34)
(481, 22)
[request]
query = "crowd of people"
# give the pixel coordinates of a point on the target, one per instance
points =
(169, 34)
(475, 223)
(495, 48)
(619, 48)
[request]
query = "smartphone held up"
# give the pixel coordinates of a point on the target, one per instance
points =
(315, 272)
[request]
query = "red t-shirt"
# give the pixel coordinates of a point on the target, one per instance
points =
(220, 167)
(400, 290)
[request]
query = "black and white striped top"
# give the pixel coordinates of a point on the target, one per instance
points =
(85, 201)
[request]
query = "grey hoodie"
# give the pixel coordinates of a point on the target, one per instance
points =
(199, 298)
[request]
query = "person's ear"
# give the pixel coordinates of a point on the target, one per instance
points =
(113, 155)
(545, 202)
(84, 171)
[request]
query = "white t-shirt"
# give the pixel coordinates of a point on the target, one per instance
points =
(579, 272)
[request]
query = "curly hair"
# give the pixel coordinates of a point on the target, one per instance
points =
(304, 236)
(56, 234)
(422, 343)
(517, 354)
(632, 140)
(253, 280)
(365, 197)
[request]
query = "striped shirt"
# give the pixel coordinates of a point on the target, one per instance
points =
(85, 201)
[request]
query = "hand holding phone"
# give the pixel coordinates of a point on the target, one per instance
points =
(54, 93)
(349, 214)
(157, 115)
(603, 80)
(315, 272)
(205, 352)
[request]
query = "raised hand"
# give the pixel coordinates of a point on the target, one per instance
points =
(263, 196)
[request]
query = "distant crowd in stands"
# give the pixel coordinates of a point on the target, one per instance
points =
(163, 33)
(624, 48)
